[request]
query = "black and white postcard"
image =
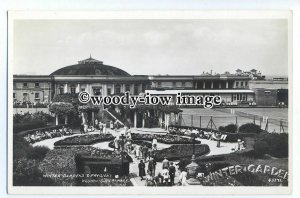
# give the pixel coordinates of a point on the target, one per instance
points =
(149, 102)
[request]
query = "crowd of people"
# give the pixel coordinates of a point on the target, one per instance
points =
(166, 177)
(40, 135)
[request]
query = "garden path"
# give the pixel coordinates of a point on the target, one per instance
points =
(134, 170)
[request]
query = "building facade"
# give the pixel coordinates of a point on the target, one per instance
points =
(93, 76)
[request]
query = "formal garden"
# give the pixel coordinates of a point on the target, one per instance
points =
(79, 148)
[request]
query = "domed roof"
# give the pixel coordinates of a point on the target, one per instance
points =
(90, 66)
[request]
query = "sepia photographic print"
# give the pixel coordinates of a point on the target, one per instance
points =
(149, 102)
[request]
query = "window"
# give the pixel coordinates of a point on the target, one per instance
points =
(25, 97)
(127, 87)
(73, 89)
(136, 89)
(246, 84)
(234, 96)
(61, 89)
(183, 84)
(242, 84)
(108, 91)
(174, 84)
(244, 97)
(237, 84)
(36, 85)
(14, 95)
(97, 91)
(158, 84)
(37, 95)
(25, 85)
(117, 89)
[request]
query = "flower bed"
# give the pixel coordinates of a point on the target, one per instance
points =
(139, 142)
(177, 152)
(166, 139)
(84, 140)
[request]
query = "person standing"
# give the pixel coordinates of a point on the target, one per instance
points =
(111, 124)
(104, 128)
(172, 171)
(145, 152)
(142, 172)
(165, 174)
(116, 143)
(150, 167)
(165, 163)
(182, 177)
(137, 151)
(154, 144)
(100, 127)
(96, 124)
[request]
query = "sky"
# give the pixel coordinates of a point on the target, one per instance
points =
(153, 46)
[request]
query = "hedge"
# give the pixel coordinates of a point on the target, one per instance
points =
(84, 139)
(233, 137)
(250, 128)
(27, 126)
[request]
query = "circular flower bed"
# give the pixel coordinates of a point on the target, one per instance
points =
(177, 152)
(84, 139)
(139, 142)
(166, 139)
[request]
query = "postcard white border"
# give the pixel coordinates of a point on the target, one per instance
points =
(190, 190)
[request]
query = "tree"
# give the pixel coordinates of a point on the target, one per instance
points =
(62, 109)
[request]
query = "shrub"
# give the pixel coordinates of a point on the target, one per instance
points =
(250, 128)
(233, 137)
(27, 173)
(18, 127)
(277, 143)
(231, 128)
(260, 148)
(38, 152)
(20, 147)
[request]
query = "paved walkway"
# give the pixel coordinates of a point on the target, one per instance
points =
(134, 170)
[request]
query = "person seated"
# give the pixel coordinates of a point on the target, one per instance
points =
(38, 136)
(43, 135)
(48, 134)
(27, 138)
(159, 179)
(59, 133)
(33, 138)
(54, 133)
(70, 131)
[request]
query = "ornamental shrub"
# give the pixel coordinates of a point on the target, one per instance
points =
(231, 128)
(38, 152)
(250, 128)
(18, 127)
(261, 147)
(27, 173)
